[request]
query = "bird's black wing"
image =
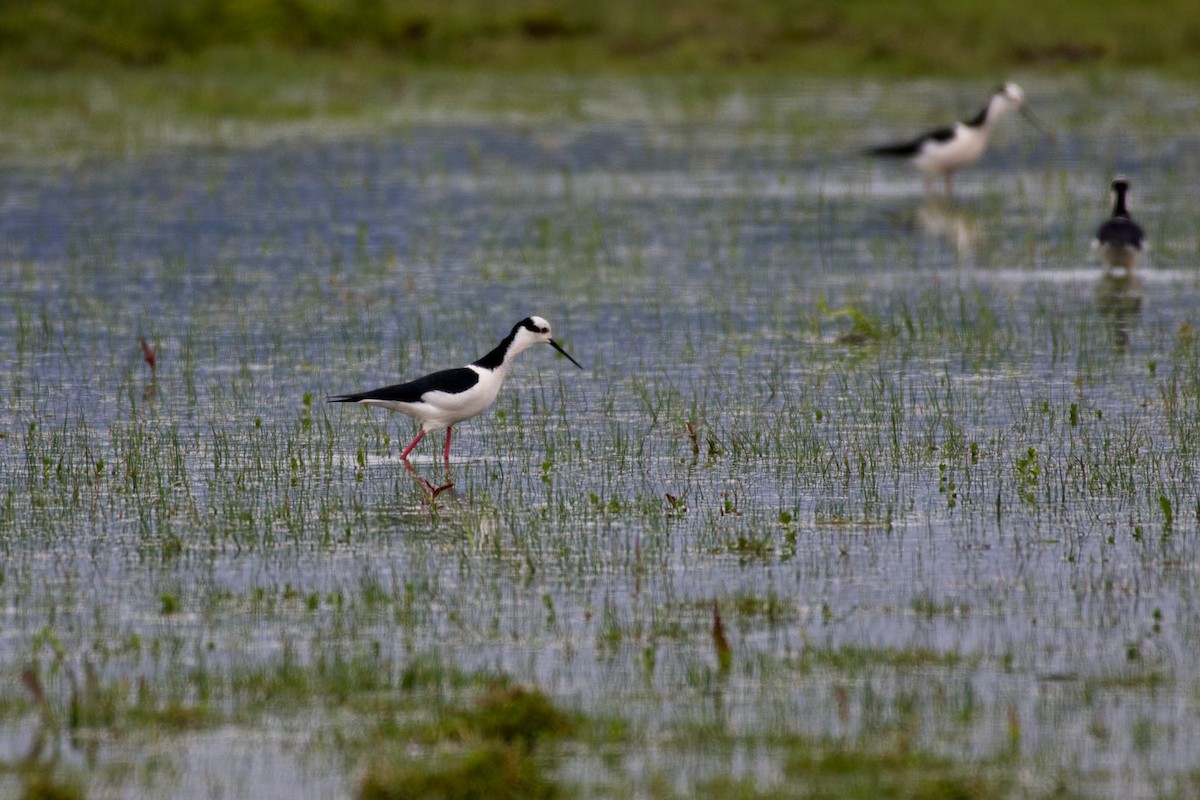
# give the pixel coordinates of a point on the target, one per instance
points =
(911, 148)
(1120, 232)
(453, 381)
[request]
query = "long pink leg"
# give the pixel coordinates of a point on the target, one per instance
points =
(409, 449)
(950, 184)
(446, 451)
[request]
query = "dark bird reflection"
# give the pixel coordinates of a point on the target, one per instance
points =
(1119, 301)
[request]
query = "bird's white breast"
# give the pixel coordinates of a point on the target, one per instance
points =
(1117, 256)
(965, 148)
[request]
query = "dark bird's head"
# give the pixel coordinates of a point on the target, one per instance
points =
(1120, 190)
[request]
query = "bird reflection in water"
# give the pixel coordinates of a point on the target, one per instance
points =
(429, 491)
(1119, 301)
(945, 219)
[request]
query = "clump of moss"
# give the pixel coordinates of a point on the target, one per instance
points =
(44, 786)
(516, 716)
(502, 732)
(491, 772)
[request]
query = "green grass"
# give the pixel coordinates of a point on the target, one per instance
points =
(489, 771)
(852, 660)
(823, 38)
(500, 743)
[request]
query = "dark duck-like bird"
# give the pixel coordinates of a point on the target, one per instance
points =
(1120, 241)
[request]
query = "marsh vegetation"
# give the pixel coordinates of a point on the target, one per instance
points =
(861, 494)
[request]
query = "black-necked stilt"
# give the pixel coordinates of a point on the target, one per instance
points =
(946, 150)
(1120, 240)
(444, 399)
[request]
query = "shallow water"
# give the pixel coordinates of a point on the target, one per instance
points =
(684, 259)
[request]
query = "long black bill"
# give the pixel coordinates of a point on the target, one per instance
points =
(1035, 122)
(557, 347)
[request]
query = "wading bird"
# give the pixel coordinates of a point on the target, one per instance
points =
(946, 150)
(443, 399)
(1119, 240)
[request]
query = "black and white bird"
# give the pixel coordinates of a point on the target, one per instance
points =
(1120, 240)
(944, 151)
(443, 399)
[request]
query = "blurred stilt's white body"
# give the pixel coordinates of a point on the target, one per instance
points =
(942, 152)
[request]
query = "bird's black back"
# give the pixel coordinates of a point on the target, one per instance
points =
(453, 381)
(1120, 232)
(911, 148)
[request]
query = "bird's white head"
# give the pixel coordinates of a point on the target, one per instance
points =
(1008, 97)
(1014, 93)
(531, 331)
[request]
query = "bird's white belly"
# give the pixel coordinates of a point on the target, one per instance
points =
(1118, 256)
(439, 410)
(965, 148)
